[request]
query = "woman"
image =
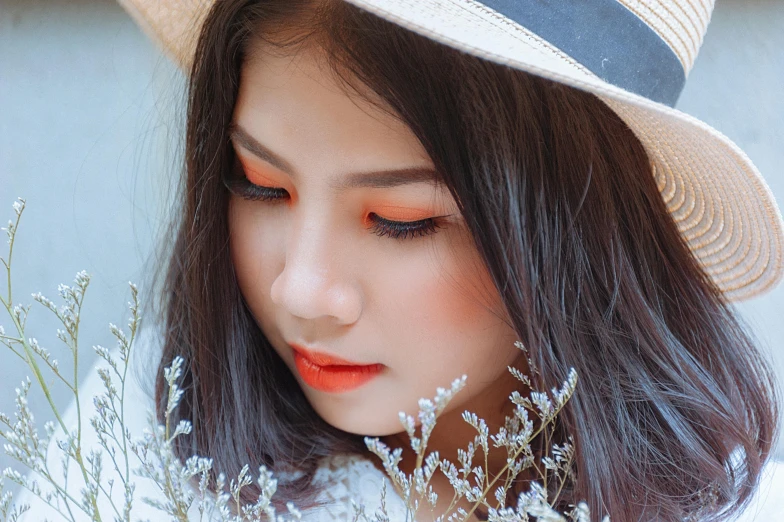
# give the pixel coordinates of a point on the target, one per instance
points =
(382, 196)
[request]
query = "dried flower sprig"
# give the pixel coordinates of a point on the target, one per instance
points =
(160, 464)
(216, 499)
(154, 448)
(515, 436)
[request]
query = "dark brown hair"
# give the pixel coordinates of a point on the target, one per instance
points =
(559, 195)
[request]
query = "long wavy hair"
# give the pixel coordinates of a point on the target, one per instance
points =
(674, 397)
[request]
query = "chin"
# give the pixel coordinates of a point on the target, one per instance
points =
(370, 423)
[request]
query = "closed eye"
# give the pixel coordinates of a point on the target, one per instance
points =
(247, 190)
(239, 185)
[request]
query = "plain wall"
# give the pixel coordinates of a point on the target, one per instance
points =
(86, 121)
(87, 135)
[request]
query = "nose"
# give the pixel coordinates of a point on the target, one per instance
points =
(316, 282)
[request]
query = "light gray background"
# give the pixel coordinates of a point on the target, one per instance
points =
(88, 137)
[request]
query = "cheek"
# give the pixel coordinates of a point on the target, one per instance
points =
(450, 311)
(459, 291)
(446, 319)
(252, 253)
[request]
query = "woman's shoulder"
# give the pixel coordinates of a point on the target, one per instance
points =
(351, 479)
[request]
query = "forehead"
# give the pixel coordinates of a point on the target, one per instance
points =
(293, 104)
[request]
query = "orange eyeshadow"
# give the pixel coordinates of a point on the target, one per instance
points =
(397, 213)
(256, 175)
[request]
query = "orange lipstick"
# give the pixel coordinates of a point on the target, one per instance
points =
(332, 374)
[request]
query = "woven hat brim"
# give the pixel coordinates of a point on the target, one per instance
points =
(717, 197)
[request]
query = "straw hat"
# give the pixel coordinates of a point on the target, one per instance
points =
(633, 54)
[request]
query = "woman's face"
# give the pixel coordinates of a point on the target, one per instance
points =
(320, 266)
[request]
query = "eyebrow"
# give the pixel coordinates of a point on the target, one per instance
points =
(370, 179)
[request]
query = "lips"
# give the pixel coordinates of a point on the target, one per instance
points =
(332, 374)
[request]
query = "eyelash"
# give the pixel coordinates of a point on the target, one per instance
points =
(381, 227)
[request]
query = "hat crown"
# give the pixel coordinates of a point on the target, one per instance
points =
(644, 46)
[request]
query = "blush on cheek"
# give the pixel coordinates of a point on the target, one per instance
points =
(464, 288)
(446, 302)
